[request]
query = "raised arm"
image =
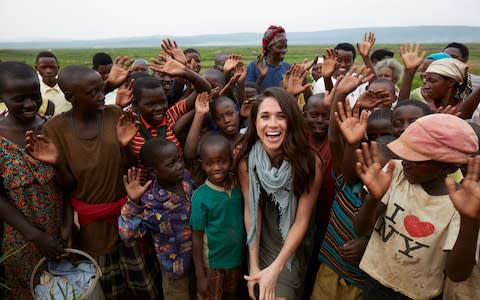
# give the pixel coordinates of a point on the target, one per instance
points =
(364, 50)
(353, 128)
(412, 60)
(202, 108)
(328, 68)
(377, 181)
(470, 105)
(461, 259)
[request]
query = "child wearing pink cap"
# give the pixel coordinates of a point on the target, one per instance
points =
(413, 226)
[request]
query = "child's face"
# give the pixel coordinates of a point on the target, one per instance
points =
(403, 116)
(166, 80)
(435, 86)
(104, 70)
(226, 118)
(418, 172)
(169, 167)
(317, 117)
(378, 128)
(152, 105)
(196, 58)
(345, 62)
(316, 71)
(216, 162)
(22, 98)
(48, 69)
(88, 94)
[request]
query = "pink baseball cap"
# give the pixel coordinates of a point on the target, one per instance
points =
(439, 137)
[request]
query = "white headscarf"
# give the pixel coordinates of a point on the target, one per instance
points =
(449, 67)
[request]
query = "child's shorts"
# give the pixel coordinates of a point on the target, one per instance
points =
(329, 285)
(222, 282)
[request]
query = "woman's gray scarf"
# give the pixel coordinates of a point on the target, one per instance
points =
(277, 183)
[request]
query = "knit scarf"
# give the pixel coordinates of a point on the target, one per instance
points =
(277, 183)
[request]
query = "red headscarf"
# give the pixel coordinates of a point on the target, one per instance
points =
(269, 36)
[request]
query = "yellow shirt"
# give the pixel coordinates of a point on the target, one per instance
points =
(55, 95)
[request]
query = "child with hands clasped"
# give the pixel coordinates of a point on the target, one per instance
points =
(162, 208)
(31, 202)
(413, 224)
(217, 223)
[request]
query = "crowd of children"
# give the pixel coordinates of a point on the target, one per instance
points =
(244, 180)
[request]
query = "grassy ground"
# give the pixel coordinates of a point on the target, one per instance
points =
(248, 53)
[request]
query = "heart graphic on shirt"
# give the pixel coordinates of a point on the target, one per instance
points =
(417, 228)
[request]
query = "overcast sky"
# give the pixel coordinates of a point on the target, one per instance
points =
(26, 20)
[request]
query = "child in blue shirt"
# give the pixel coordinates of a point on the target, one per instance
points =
(162, 208)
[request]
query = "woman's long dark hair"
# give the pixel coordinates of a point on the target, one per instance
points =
(295, 147)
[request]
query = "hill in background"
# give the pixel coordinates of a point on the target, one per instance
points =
(385, 35)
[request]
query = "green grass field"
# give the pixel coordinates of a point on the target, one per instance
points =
(296, 54)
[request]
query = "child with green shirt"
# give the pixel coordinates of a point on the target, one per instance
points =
(217, 223)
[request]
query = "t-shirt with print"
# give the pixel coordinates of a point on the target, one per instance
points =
(406, 251)
(219, 213)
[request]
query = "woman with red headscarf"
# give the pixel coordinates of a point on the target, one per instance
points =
(268, 69)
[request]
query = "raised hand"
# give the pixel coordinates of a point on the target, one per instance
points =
(202, 103)
(240, 69)
(411, 57)
(352, 80)
(330, 63)
(230, 64)
(131, 181)
(353, 128)
(171, 48)
(127, 127)
(371, 99)
(308, 65)
(369, 169)
(367, 44)
(294, 79)
(261, 66)
(41, 148)
(467, 199)
(119, 71)
(124, 94)
(166, 64)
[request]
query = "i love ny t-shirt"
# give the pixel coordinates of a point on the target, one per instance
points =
(406, 251)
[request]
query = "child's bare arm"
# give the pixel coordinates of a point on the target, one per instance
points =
(364, 50)
(461, 258)
(377, 181)
(328, 68)
(202, 108)
(412, 61)
(197, 250)
(470, 104)
(353, 128)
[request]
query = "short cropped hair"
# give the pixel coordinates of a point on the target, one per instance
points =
(15, 70)
(347, 47)
(146, 82)
(45, 54)
(461, 47)
(101, 59)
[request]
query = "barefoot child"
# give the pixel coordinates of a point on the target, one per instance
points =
(162, 208)
(31, 202)
(412, 223)
(217, 223)
(93, 143)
